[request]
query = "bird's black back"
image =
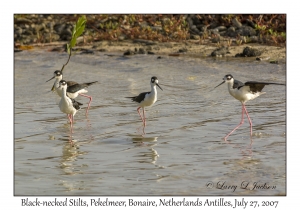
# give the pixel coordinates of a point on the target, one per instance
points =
(139, 98)
(258, 86)
(74, 87)
(237, 84)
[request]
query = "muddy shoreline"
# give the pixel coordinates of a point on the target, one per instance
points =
(195, 34)
(170, 48)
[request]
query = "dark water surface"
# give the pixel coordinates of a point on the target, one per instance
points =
(182, 152)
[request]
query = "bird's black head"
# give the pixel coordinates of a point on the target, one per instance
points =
(57, 73)
(62, 82)
(153, 79)
(228, 77)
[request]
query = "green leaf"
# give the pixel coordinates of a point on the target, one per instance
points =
(72, 42)
(81, 22)
(79, 31)
(80, 25)
(73, 31)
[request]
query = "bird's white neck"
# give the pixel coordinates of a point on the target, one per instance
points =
(64, 92)
(230, 84)
(56, 85)
(230, 88)
(57, 80)
(153, 89)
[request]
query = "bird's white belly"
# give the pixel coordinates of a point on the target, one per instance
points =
(74, 95)
(244, 95)
(67, 107)
(149, 100)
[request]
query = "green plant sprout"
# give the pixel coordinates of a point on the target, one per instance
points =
(77, 31)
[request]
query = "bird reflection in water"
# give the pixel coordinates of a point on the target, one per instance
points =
(69, 165)
(141, 130)
(246, 151)
(147, 142)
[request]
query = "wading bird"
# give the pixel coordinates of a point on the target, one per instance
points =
(244, 92)
(66, 104)
(146, 98)
(74, 89)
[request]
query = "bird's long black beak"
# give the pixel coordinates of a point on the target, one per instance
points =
(50, 79)
(220, 84)
(159, 86)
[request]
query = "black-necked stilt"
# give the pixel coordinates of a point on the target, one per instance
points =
(74, 89)
(66, 104)
(244, 92)
(147, 98)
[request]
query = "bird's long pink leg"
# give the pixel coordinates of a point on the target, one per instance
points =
(71, 130)
(90, 97)
(144, 117)
(250, 122)
(69, 116)
(242, 121)
(138, 110)
(72, 117)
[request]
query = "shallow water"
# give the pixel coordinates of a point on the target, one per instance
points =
(182, 152)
